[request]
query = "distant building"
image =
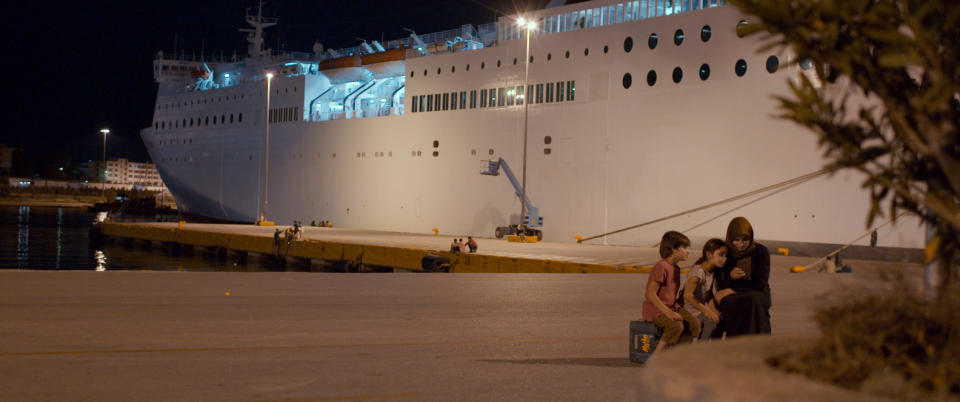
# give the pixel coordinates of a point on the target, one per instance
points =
(6, 158)
(140, 175)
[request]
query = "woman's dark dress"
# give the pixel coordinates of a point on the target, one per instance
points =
(747, 311)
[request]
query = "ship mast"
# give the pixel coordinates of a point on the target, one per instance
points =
(255, 36)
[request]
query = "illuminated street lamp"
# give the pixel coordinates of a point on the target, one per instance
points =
(266, 168)
(103, 182)
(529, 25)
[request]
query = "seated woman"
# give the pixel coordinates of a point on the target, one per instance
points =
(699, 292)
(744, 295)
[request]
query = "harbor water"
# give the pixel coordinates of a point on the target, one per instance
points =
(57, 238)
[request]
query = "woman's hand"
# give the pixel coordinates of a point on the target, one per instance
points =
(737, 273)
(724, 293)
(673, 315)
(712, 316)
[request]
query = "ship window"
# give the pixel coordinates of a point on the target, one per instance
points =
(627, 43)
(571, 90)
(606, 49)
(742, 28)
(498, 63)
(483, 64)
(156, 125)
(501, 98)
(483, 98)
(627, 81)
(438, 70)
(223, 118)
(415, 104)
(740, 68)
(419, 153)
(463, 99)
(704, 71)
(531, 59)
(677, 75)
(493, 97)
(424, 72)
(334, 155)
(191, 122)
(411, 73)
(240, 118)
(231, 117)
(436, 102)
(651, 78)
(184, 125)
(473, 152)
(436, 144)
(429, 103)
(549, 56)
(511, 96)
(547, 140)
(539, 93)
(422, 106)
(446, 101)
(473, 99)
(567, 54)
(546, 151)
(586, 51)
(705, 33)
(490, 151)
(468, 67)
(560, 91)
(549, 93)
(678, 37)
(773, 63)
(453, 69)
(514, 61)
(206, 121)
(519, 96)
(652, 41)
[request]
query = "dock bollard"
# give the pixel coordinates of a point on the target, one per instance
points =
(436, 231)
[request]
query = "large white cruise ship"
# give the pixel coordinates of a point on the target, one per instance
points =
(633, 111)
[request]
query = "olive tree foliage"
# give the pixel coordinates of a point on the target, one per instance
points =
(884, 100)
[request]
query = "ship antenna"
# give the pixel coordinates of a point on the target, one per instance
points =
(255, 36)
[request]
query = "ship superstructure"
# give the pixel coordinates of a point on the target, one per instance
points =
(637, 110)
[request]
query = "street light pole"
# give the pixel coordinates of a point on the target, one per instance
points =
(266, 169)
(529, 25)
(103, 181)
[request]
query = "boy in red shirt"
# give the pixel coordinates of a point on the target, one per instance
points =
(661, 305)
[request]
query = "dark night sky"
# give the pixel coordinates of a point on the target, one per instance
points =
(79, 67)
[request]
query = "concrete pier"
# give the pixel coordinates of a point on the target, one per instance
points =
(157, 336)
(376, 250)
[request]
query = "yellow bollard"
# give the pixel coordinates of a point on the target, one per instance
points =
(797, 269)
(579, 238)
(180, 225)
(436, 231)
(228, 293)
(785, 251)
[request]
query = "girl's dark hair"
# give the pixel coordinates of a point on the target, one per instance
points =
(711, 246)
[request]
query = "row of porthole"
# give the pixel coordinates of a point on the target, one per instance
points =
(218, 99)
(169, 125)
(739, 68)
(453, 69)
(706, 32)
(198, 102)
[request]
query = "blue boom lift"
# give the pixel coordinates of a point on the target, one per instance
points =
(532, 219)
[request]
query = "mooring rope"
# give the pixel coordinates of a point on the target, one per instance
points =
(795, 180)
(837, 251)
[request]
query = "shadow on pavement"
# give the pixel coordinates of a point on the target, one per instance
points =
(578, 361)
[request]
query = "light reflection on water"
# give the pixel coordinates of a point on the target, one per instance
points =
(52, 238)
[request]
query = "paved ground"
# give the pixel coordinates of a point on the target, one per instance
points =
(309, 336)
